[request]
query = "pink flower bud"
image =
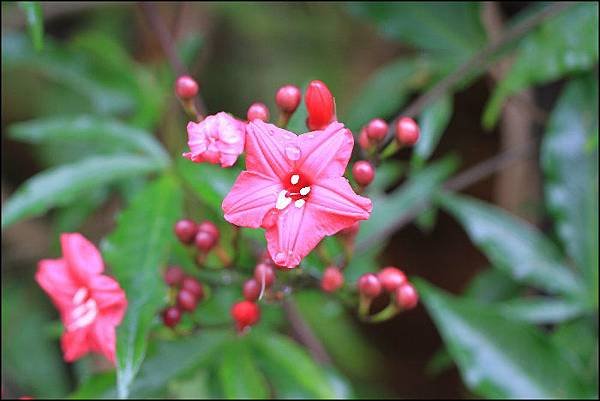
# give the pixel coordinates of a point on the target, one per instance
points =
(363, 172)
(407, 296)
(332, 279)
(245, 313)
(186, 87)
(407, 131)
(391, 278)
(288, 98)
(369, 285)
(377, 129)
(258, 111)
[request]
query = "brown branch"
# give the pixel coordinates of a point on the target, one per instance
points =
(459, 182)
(483, 59)
(160, 29)
(305, 333)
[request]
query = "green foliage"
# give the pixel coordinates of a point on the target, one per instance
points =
(564, 45)
(571, 175)
(238, 373)
(432, 122)
(35, 22)
(144, 232)
(489, 349)
(61, 185)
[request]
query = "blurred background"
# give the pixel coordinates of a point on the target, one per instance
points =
(106, 59)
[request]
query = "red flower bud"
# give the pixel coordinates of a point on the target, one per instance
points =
(171, 316)
(173, 275)
(391, 278)
(407, 296)
(363, 139)
(194, 286)
(186, 87)
(320, 105)
(258, 111)
(363, 172)
(245, 313)
(207, 236)
(186, 231)
(377, 129)
(265, 272)
(288, 98)
(407, 131)
(251, 290)
(332, 279)
(186, 300)
(369, 285)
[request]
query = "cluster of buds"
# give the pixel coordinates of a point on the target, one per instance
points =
(187, 293)
(406, 132)
(204, 236)
(391, 280)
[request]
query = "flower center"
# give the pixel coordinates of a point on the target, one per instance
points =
(296, 189)
(84, 310)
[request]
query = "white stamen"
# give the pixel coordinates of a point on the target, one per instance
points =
(299, 203)
(282, 200)
(80, 295)
(295, 179)
(304, 191)
(83, 315)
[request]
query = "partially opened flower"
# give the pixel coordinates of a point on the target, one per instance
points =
(294, 188)
(216, 139)
(90, 303)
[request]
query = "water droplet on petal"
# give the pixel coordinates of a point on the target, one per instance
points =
(279, 257)
(270, 218)
(292, 152)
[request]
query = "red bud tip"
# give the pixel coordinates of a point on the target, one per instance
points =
(363, 172)
(407, 296)
(288, 98)
(251, 290)
(258, 111)
(369, 285)
(245, 313)
(173, 275)
(332, 279)
(391, 278)
(377, 129)
(320, 105)
(186, 300)
(171, 316)
(186, 87)
(407, 131)
(363, 139)
(186, 231)
(194, 286)
(265, 272)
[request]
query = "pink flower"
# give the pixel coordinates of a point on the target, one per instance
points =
(91, 304)
(294, 188)
(216, 139)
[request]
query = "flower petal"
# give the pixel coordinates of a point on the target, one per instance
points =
(266, 149)
(55, 278)
(197, 140)
(104, 339)
(251, 197)
(75, 344)
(336, 205)
(325, 153)
(82, 256)
(109, 297)
(296, 233)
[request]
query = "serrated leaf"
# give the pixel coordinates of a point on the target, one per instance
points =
(571, 175)
(61, 185)
(94, 131)
(388, 210)
(35, 22)
(513, 245)
(499, 357)
(565, 44)
(136, 251)
(238, 374)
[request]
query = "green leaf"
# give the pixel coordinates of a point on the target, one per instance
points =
(35, 22)
(61, 185)
(210, 182)
(136, 251)
(492, 285)
(452, 31)
(565, 44)
(388, 210)
(388, 174)
(338, 333)
(239, 375)
(290, 369)
(97, 132)
(571, 175)
(31, 358)
(499, 357)
(513, 245)
(541, 310)
(386, 91)
(433, 121)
